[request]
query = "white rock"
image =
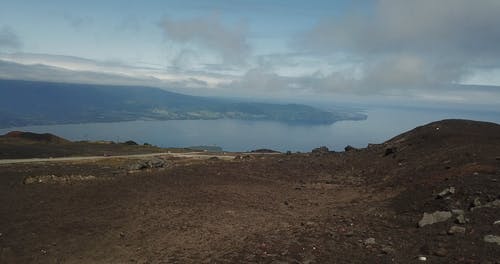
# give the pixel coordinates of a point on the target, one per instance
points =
(370, 241)
(492, 239)
(436, 217)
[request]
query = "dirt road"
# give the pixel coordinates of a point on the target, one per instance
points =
(193, 155)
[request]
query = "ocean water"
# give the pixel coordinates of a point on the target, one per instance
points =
(237, 135)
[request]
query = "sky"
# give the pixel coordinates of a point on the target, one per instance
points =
(423, 51)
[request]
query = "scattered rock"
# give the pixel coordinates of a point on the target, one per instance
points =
(493, 204)
(388, 250)
(53, 179)
(436, 217)
(460, 219)
(310, 223)
(456, 230)
(138, 166)
(156, 163)
(475, 203)
(389, 151)
(370, 241)
(349, 148)
(492, 239)
(443, 233)
(446, 192)
(148, 164)
(349, 234)
(440, 252)
(458, 211)
(422, 258)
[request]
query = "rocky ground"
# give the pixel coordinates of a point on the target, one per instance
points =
(430, 195)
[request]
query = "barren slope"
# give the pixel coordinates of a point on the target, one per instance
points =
(360, 206)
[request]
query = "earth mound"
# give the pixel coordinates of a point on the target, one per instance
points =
(30, 136)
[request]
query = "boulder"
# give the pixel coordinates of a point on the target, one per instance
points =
(458, 211)
(476, 204)
(369, 241)
(440, 252)
(152, 163)
(494, 204)
(389, 151)
(461, 219)
(349, 148)
(388, 250)
(492, 239)
(155, 163)
(138, 166)
(446, 192)
(456, 230)
(321, 150)
(436, 217)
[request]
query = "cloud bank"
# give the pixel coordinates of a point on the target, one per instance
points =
(413, 43)
(209, 32)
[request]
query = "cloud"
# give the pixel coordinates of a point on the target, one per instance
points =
(261, 83)
(413, 42)
(59, 68)
(209, 32)
(9, 39)
(264, 82)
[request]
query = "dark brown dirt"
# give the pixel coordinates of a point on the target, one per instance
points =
(23, 145)
(299, 208)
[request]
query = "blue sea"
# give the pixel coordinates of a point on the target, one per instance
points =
(238, 135)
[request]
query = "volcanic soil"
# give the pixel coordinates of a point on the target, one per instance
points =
(355, 206)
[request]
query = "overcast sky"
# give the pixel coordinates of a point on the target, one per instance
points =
(261, 48)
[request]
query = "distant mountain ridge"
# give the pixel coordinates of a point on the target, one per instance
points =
(25, 103)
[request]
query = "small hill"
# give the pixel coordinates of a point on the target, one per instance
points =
(449, 131)
(30, 136)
